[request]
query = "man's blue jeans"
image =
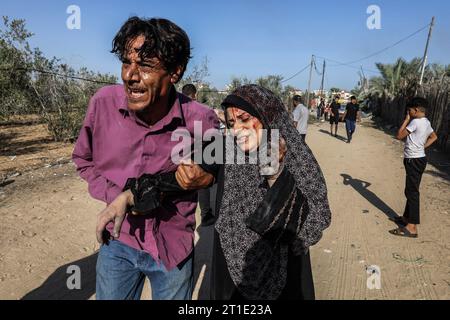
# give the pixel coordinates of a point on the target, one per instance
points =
(121, 272)
(351, 127)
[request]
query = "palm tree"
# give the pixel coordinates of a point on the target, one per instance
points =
(396, 78)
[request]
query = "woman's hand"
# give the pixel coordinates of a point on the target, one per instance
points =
(116, 212)
(281, 155)
(283, 149)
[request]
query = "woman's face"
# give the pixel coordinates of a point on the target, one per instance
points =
(246, 128)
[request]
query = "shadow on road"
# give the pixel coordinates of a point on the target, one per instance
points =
(362, 188)
(55, 287)
(338, 136)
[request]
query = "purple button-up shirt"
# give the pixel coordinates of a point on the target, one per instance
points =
(115, 145)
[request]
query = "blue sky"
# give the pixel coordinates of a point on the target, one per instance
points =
(247, 37)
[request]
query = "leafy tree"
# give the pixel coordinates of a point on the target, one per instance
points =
(15, 59)
(237, 82)
(271, 82)
(30, 83)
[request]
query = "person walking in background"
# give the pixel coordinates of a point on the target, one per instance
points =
(334, 115)
(190, 90)
(419, 135)
(321, 108)
(351, 115)
(318, 113)
(300, 116)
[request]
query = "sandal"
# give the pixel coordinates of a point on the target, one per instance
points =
(403, 232)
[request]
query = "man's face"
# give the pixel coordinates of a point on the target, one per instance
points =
(354, 101)
(146, 82)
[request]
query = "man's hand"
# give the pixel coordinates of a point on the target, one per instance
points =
(115, 211)
(191, 176)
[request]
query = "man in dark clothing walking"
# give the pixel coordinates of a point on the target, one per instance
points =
(334, 115)
(351, 115)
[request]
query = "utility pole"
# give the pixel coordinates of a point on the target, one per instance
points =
(323, 76)
(364, 80)
(425, 56)
(309, 81)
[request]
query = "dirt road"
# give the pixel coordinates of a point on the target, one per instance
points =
(48, 220)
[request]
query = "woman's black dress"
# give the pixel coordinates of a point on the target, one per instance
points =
(299, 282)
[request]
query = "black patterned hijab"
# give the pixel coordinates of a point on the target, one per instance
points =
(257, 265)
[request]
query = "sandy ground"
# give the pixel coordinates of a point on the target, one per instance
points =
(47, 223)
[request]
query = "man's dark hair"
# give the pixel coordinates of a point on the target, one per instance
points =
(419, 103)
(189, 90)
(297, 99)
(164, 40)
(353, 98)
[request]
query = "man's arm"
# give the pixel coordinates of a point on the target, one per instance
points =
(403, 132)
(99, 187)
(295, 116)
(345, 112)
(431, 139)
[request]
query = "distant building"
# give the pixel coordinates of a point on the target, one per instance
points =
(323, 92)
(344, 96)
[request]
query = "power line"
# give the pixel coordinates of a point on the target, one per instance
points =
(58, 75)
(346, 65)
(382, 50)
(213, 91)
(296, 74)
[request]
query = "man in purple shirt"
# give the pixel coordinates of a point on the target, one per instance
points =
(126, 133)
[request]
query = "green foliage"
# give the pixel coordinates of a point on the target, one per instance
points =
(271, 82)
(402, 77)
(30, 83)
(15, 58)
(237, 82)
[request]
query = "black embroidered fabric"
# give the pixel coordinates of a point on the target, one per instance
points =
(278, 214)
